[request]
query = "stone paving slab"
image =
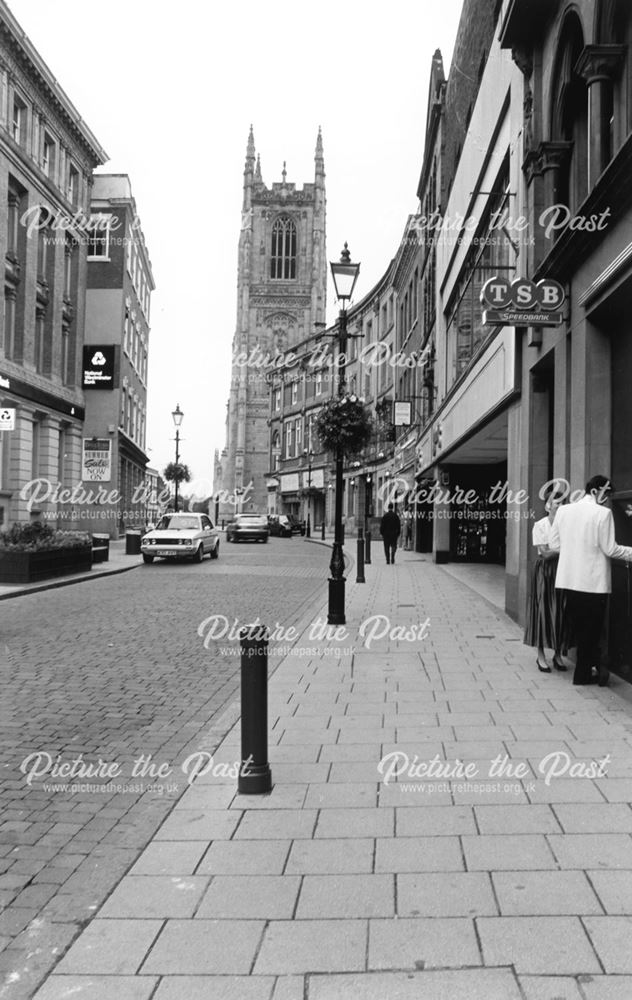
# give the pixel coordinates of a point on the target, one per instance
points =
(293, 946)
(97, 988)
(337, 886)
(110, 947)
(547, 945)
(204, 947)
(472, 984)
(217, 988)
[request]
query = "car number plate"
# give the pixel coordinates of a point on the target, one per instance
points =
(170, 552)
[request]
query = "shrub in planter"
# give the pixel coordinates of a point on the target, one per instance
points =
(35, 551)
(344, 422)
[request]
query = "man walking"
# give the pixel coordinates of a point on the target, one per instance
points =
(584, 534)
(390, 528)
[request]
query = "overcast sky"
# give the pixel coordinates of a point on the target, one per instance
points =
(170, 91)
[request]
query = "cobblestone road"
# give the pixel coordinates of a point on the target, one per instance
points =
(109, 671)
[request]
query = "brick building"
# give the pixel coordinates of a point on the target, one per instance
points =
(118, 299)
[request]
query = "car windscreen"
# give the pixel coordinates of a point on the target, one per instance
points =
(178, 524)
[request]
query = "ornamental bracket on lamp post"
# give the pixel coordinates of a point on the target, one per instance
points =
(344, 274)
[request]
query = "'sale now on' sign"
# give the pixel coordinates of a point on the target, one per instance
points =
(523, 302)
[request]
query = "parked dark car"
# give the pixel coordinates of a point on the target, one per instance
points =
(247, 528)
(279, 525)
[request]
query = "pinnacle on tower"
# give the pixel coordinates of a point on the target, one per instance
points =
(319, 156)
(319, 145)
(250, 148)
(258, 177)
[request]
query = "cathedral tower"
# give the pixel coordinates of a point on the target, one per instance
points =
(281, 291)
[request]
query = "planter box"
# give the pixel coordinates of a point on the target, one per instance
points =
(28, 567)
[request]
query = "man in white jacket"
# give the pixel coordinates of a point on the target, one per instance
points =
(584, 534)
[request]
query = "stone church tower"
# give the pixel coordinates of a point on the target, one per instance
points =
(281, 292)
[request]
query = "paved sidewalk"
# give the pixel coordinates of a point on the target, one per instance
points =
(118, 563)
(361, 880)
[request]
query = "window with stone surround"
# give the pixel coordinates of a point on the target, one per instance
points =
(18, 120)
(283, 249)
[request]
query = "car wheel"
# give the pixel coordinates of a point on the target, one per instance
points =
(215, 552)
(264, 540)
(199, 554)
(147, 559)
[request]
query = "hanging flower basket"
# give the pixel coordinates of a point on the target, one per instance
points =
(345, 423)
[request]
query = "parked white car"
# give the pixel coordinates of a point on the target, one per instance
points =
(181, 536)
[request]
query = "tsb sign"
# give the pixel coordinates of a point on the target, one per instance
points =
(522, 301)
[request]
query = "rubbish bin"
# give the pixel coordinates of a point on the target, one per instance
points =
(132, 542)
(100, 548)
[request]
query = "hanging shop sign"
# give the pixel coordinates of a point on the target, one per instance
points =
(96, 466)
(402, 413)
(522, 302)
(98, 367)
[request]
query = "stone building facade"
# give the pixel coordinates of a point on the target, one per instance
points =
(281, 299)
(47, 155)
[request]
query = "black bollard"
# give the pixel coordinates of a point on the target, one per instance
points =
(367, 554)
(360, 558)
(255, 776)
(322, 530)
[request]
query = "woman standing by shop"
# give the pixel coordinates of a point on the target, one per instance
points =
(546, 621)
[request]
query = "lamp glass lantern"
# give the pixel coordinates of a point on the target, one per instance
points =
(345, 274)
(177, 415)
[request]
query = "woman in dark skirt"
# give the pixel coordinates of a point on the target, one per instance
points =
(547, 624)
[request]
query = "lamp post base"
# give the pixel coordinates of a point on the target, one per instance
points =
(336, 613)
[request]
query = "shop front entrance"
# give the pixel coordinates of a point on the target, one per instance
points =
(478, 529)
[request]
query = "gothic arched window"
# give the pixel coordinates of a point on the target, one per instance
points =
(283, 255)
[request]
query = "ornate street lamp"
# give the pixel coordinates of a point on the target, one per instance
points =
(177, 415)
(344, 274)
